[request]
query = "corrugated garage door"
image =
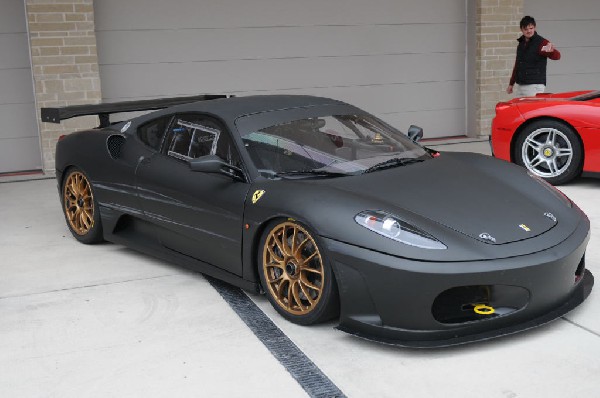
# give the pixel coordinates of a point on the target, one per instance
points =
(574, 27)
(19, 136)
(402, 60)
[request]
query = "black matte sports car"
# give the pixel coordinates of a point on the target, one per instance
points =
(329, 211)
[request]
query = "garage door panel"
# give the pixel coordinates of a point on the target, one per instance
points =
(182, 14)
(402, 105)
(385, 55)
(19, 136)
(15, 86)
(406, 97)
(561, 32)
(573, 82)
(14, 50)
(577, 60)
(435, 123)
(561, 11)
(18, 121)
(242, 76)
(19, 154)
(237, 44)
(12, 17)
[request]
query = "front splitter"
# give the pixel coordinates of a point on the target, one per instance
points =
(577, 297)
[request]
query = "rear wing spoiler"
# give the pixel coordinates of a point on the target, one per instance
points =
(103, 111)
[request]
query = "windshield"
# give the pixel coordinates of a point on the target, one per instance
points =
(334, 145)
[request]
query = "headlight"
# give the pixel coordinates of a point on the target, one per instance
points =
(555, 191)
(391, 227)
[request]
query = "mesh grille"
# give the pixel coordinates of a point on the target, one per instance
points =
(114, 144)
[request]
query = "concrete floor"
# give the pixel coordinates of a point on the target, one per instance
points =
(104, 320)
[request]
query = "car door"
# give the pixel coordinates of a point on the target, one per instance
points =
(198, 214)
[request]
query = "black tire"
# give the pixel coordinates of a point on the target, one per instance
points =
(551, 150)
(80, 207)
(303, 292)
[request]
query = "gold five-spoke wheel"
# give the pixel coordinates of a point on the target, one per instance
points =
(78, 203)
(293, 268)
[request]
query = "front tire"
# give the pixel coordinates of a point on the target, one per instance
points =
(296, 275)
(551, 150)
(80, 207)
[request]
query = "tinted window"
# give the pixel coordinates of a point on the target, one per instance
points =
(347, 144)
(152, 133)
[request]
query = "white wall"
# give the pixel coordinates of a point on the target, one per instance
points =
(402, 60)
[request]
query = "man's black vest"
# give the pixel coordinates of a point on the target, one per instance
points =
(531, 67)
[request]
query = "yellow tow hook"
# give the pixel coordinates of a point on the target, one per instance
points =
(483, 309)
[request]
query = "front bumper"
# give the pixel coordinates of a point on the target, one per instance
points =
(422, 304)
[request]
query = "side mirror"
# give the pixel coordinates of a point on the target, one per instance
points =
(415, 133)
(214, 164)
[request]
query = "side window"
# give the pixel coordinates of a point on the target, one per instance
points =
(152, 133)
(193, 135)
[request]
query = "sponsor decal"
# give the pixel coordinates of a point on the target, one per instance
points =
(524, 227)
(126, 127)
(488, 237)
(550, 216)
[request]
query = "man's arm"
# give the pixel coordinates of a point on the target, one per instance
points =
(513, 78)
(548, 50)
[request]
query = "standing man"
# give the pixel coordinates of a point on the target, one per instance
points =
(533, 51)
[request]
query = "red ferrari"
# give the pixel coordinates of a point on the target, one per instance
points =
(556, 136)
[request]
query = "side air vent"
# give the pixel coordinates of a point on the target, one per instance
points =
(114, 144)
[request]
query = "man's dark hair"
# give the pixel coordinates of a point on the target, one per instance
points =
(526, 21)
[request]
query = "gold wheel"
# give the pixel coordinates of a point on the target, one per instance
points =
(293, 269)
(78, 203)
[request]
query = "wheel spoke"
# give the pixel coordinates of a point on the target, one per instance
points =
(294, 288)
(281, 289)
(273, 254)
(301, 247)
(278, 242)
(305, 293)
(560, 152)
(536, 161)
(307, 283)
(553, 167)
(533, 144)
(293, 245)
(310, 258)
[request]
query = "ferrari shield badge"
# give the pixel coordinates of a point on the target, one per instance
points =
(257, 195)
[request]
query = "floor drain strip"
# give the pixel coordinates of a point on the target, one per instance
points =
(306, 373)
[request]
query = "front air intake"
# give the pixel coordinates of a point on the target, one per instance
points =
(477, 303)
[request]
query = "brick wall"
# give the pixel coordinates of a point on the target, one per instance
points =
(497, 30)
(64, 64)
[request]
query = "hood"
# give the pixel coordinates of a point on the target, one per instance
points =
(486, 203)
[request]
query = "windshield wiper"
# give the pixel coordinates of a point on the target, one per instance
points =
(310, 173)
(394, 162)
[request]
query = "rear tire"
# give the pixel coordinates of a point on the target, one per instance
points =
(296, 275)
(551, 150)
(80, 207)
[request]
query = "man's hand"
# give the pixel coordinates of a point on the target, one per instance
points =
(509, 89)
(549, 47)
